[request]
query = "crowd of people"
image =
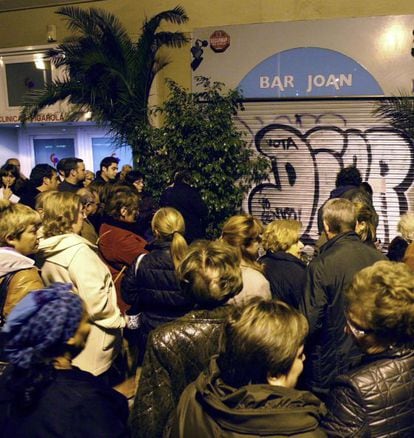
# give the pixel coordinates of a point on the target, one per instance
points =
(231, 337)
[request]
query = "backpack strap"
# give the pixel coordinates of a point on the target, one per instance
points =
(4, 288)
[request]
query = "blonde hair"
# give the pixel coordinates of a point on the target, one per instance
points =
(241, 231)
(262, 339)
(40, 198)
(210, 272)
(385, 292)
(280, 235)
(60, 213)
(14, 220)
(168, 224)
(406, 226)
(366, 214)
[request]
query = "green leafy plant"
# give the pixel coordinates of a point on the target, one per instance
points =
(106, 72)
(199, 134)
(399, 112)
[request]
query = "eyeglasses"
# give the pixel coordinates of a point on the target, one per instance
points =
(356, 331)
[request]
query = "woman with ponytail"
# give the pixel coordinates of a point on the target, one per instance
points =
(150, 285)
(377, 398)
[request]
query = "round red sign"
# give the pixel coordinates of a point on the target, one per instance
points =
(219, 41)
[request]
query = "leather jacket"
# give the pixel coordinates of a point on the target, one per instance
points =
(375, 400)
(176, 354)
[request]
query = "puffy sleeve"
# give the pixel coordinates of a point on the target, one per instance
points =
(20, 285)
(154, 400)
(346, 416)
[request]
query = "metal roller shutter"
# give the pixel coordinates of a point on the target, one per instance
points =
(308, 142)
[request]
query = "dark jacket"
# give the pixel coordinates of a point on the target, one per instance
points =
(66, 186)
(287, 276)
(176, 354)
(375, 400)
(28, 195)
(75, 404)
(209, 407)
(329, 350)
(189, 203)
(154, 291)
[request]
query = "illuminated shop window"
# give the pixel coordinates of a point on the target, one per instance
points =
(107, 147)
(51, 150)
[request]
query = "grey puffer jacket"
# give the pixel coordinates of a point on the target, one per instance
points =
(375, 400)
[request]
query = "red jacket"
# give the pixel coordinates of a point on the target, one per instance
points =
(118, 246)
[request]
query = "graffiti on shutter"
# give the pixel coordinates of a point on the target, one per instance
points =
(308, 142)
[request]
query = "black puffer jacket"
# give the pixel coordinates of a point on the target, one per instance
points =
(375, 400)
(211, 408)
(329, 350)
(154, 291)
(287, 276)
(176, 354)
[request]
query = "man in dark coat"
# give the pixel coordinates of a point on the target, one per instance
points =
(188, 202)
(330, 351)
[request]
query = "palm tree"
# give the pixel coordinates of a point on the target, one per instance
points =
(106, 72)
(399, 112)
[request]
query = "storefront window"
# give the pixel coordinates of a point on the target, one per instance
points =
(51, 150)
(107, 147)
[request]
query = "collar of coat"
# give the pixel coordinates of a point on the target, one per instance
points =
(349, 235)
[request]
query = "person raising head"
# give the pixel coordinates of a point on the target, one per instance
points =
(249, 388)
(41, 390)
(150, 285)
(18, 239)
(283, 267)
(70, 258)
(380, 319)
(244, 232)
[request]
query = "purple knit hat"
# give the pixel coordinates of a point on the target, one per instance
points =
(40, 323)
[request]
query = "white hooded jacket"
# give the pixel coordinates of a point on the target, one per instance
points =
(70, 258)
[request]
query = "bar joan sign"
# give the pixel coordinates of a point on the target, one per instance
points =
(309, 72)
